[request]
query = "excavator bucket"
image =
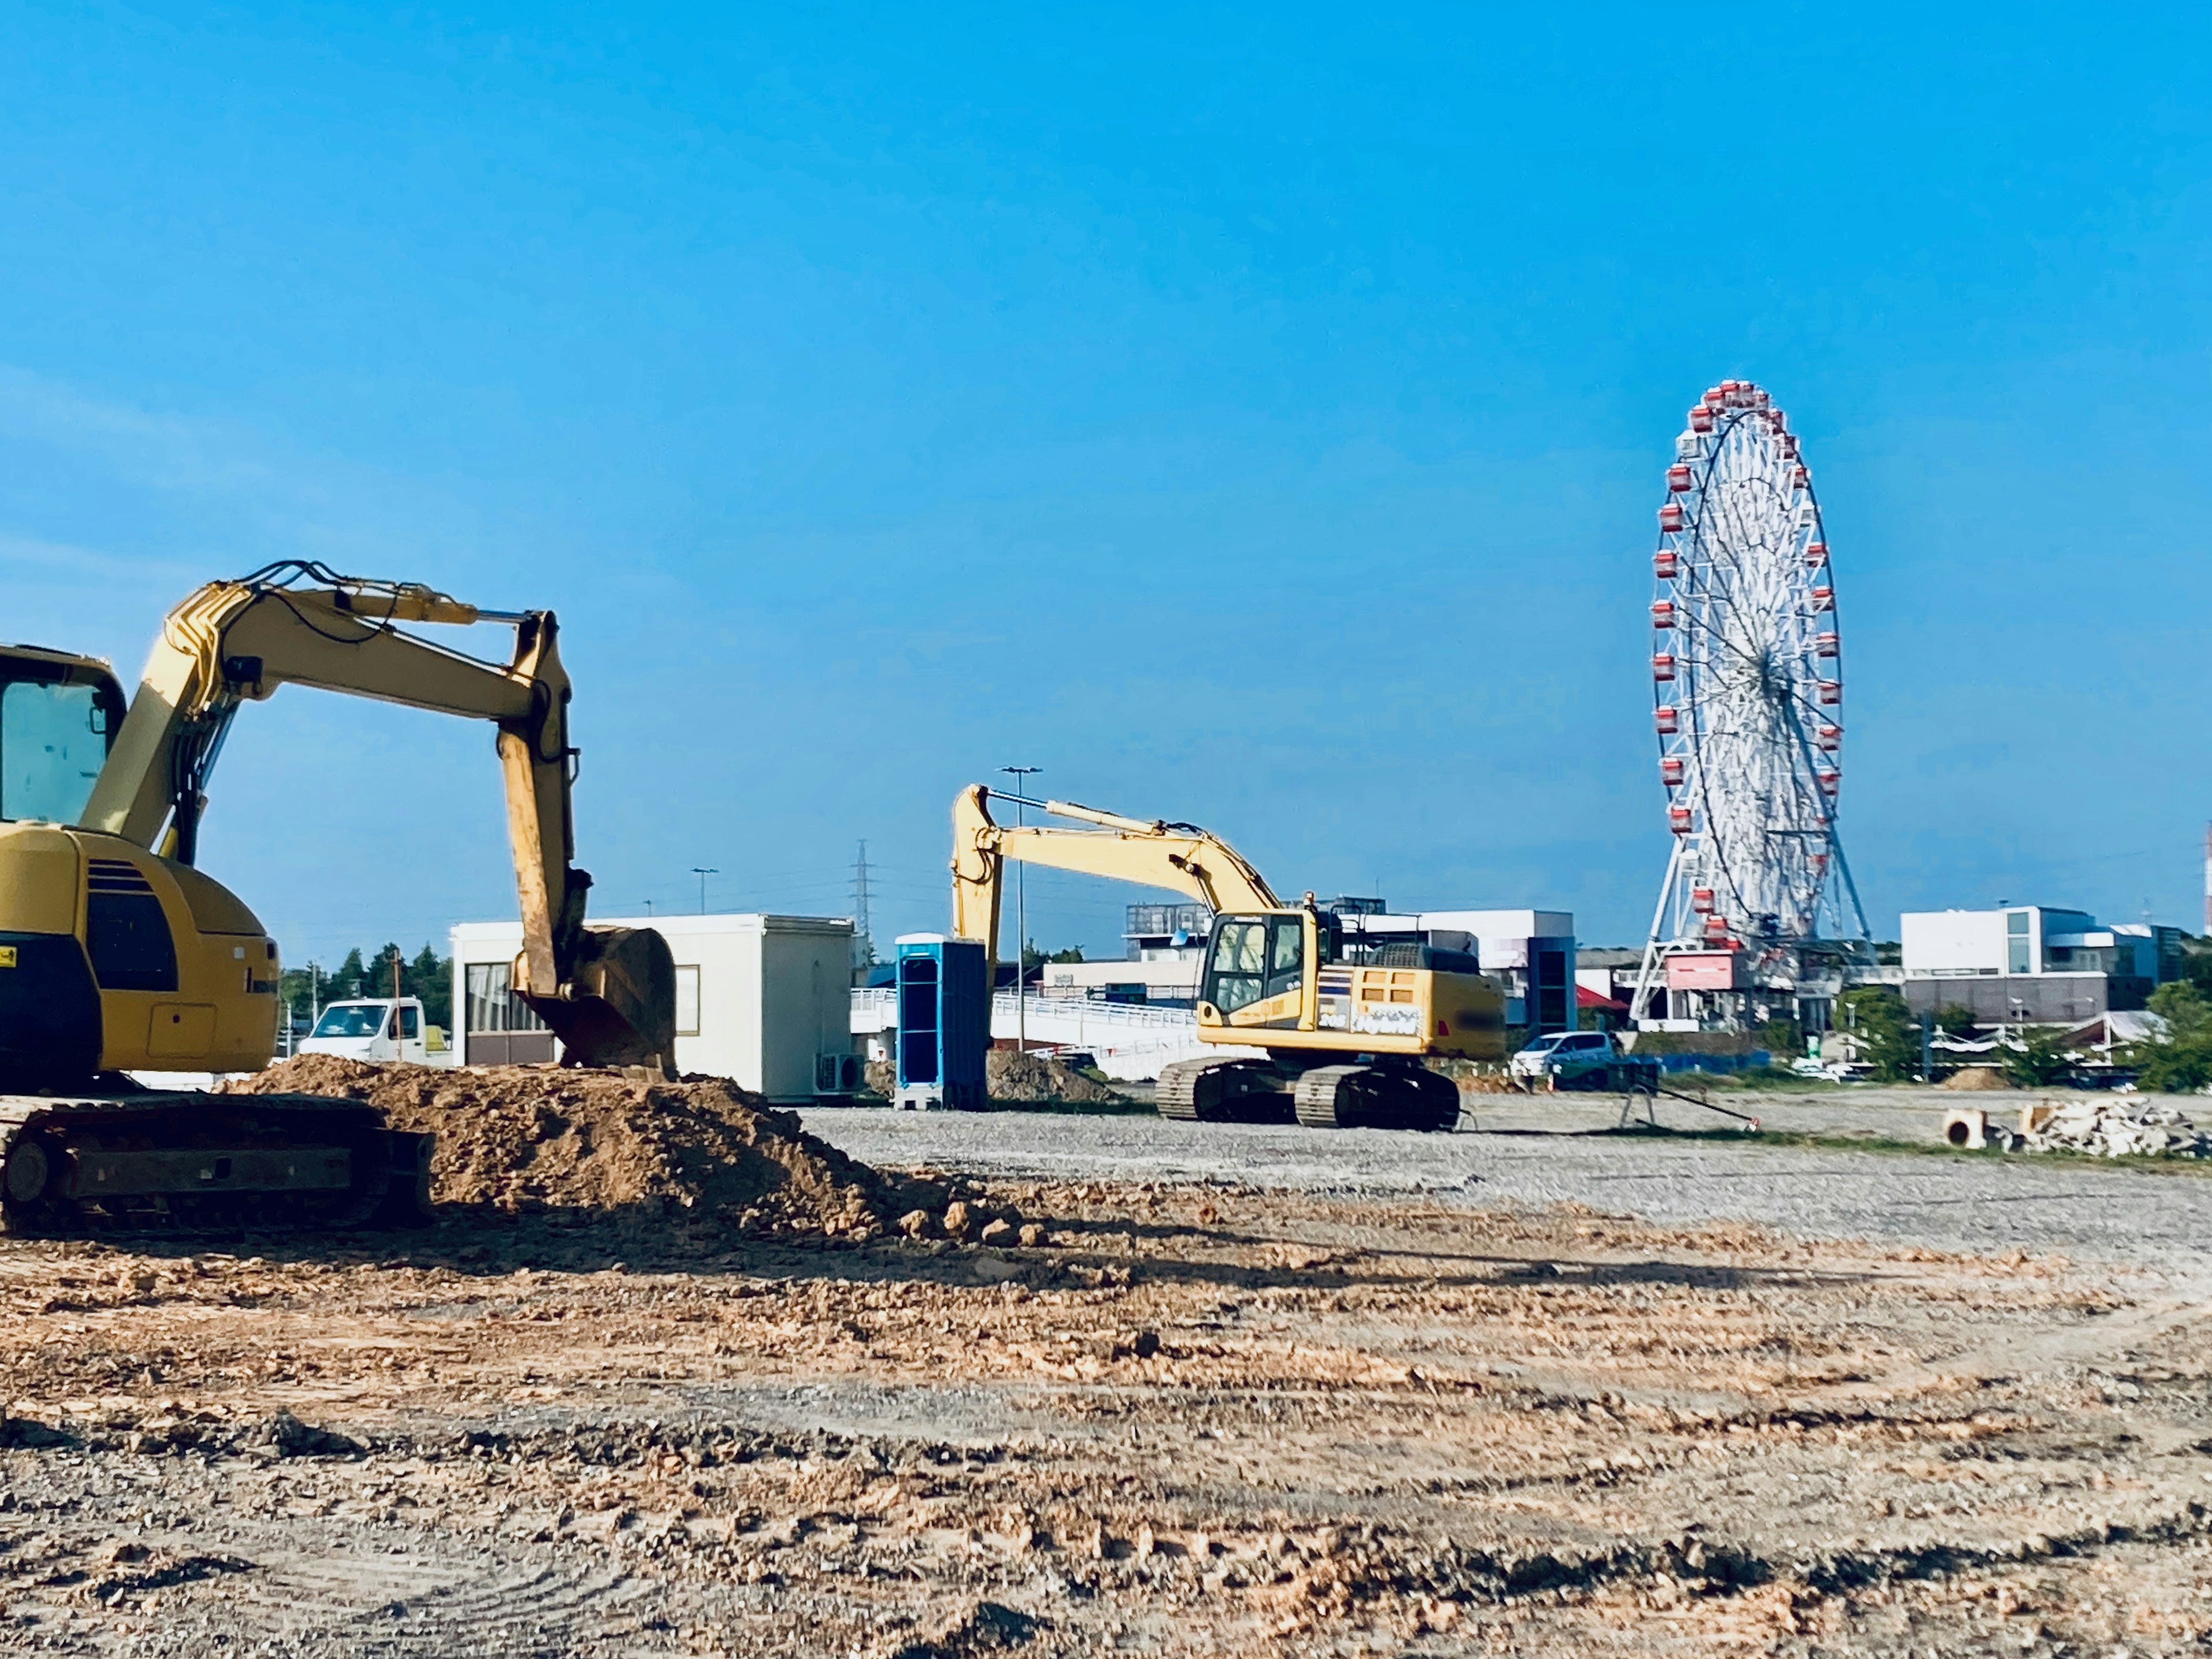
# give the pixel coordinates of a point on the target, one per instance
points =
(621, 1005)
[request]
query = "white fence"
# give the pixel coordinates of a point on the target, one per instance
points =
(1128, 1042)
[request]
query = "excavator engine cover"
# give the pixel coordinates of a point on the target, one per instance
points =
(620, 1006)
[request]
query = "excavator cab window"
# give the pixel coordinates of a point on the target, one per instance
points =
(1286, 955)
(1237, 965)
(54, 741)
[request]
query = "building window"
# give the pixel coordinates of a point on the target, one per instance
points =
(492, 1004)
(687, 1002)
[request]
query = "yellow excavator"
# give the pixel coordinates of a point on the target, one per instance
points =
(119, 955)
(1345, 1024)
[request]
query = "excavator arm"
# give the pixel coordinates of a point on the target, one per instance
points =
(1181, 857)
(608, 994)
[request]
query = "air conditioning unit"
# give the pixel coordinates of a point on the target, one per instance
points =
(839, 1075)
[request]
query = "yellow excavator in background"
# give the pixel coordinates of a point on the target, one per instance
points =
(117, 954)
(1345, 1023)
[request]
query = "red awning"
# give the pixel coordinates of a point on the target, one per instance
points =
(1586, 998)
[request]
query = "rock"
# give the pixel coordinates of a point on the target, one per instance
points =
(958, 1219)
(917, 1223)
(288, 1436)
(994, 1231)
(1031, 1234)
(990, 1628)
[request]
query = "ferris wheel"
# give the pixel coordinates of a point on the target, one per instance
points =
(1747, 673)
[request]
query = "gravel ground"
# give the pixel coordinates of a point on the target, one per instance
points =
(1191, 1420)
(1548, 1150)
(1524, 1389)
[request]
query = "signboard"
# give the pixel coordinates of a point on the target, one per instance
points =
(1703, 970)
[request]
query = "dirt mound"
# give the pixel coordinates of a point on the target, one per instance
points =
(528, 1137)
(1487, 1083)
(1975, 1076)
(1011, 1076)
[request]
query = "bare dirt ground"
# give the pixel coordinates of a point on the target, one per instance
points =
(1193, 1419)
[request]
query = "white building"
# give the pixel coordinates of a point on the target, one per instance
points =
(2030, 962)
(764, 1001)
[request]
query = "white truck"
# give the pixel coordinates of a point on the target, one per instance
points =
(379, 1028)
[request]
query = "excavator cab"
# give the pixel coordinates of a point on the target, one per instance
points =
(1258, 968)
(58, 715)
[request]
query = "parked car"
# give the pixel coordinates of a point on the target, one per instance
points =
(380, 1029)
(1561, 1052)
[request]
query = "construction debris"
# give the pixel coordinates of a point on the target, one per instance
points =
(2114, 1127)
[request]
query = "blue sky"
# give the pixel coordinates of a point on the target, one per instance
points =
(1252, 416)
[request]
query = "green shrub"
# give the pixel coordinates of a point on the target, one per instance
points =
(2179, 1061)
(1884, 1032)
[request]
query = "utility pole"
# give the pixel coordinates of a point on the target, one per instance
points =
(864, 948)
(702, 872)
(1021, 918)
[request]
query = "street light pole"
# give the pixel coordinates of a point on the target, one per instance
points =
(702, 873)
(1021, 918)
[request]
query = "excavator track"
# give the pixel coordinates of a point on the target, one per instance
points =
(1222, 1091)
(188, 1162)
(1355, 1097)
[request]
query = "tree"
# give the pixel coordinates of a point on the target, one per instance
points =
(2178, 1060)
(1883, 1032)
(1955, 1020)
(1782, 1038)
(1034, 955)
(351, 976)
(430, 977)
(2038, 1061)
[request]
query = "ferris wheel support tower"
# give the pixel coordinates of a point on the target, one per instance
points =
(1758, 915)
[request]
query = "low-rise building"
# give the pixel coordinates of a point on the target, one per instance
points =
(2031, 963)
(763, 999)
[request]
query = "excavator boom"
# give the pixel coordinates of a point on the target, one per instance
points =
(608, 994)
(1180, 857)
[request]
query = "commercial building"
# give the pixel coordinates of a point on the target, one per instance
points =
(2031, 963)
(764, 1001)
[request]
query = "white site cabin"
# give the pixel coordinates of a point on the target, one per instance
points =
(764, 1001)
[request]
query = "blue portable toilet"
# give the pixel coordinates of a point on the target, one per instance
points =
(944, 1022)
